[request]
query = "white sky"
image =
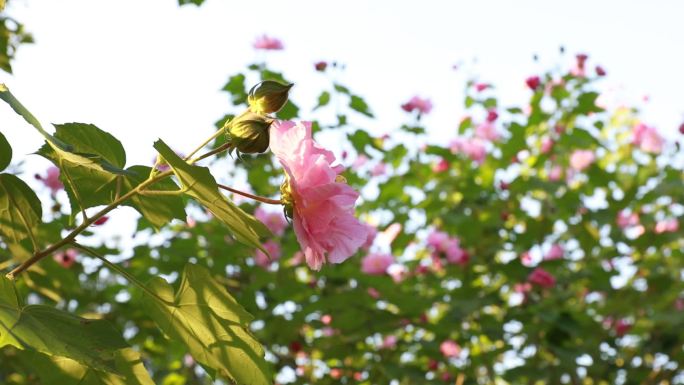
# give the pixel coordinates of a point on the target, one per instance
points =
(148, 69)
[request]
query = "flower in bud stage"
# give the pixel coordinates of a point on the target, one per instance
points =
(268, 97)
(249, 133)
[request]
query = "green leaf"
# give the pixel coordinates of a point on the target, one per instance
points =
(5, 152)
(196, 2)
(89, 171)
(158, 209)
(212, 324)
(55, 332)
(201, 185)
(20, 209)
(359, 105)
(586, 103)
(323, 100)
(93, 143)
(64, 371)
(236, 88)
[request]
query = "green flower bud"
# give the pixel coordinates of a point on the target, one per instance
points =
(249, 133)
(268, 96)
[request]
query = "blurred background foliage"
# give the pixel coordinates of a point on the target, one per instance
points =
(565, 267)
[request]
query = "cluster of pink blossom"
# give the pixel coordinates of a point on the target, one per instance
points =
(416, 103)
(647, 138)
(442, 244)
(265, 42)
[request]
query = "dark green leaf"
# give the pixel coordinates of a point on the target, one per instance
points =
(212, 324)
(5, 152)
(359, 105)
(323, 100)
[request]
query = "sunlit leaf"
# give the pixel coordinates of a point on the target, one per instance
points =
(158, 209)
(20, 209)
(201, 185)
(212, 324)
(55, 332)
(64, 371)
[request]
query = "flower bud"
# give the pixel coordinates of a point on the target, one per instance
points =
(249, 133)
(268, 96)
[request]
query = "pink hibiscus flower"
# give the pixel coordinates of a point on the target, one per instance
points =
(542, 278)
(647, 138)
(275, 221)
(376, 263)
(581, 159)
(261, 259)
(51, 179)
(268, 43)
(416, 103)
(319, 200)
(449, 349)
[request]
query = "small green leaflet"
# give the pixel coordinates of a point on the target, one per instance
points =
(212, 324)
(202, 186)
(55, 332)
(20, 209)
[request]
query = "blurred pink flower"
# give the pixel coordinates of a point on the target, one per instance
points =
(423, 106)
(581, 159)
(273, 248)
(647, 138)
(51, 179)
(359, 162)
(667, 226)
(441, 166)
(479, 87)
(487, 131)
(533, 82)
(455, 254)
(267, 43)
(373, 293)
(326, 319)
(492, 115)
(542, 278)
(320, 66)
(438, 241)
(600, 71)
(449, 349)
(376, 263)
(66, 258)
(322, 202)
(546, 145)
(275, 221)
(379, 169)
(556, 173)
(622, 327)
(625, 219)
(556, 252)
(475, 149)
(101, 221)
(389, 342)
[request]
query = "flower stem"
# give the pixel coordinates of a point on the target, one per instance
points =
(72, 235)
(255, 197)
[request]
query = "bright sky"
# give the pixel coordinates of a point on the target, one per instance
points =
(148, 69)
